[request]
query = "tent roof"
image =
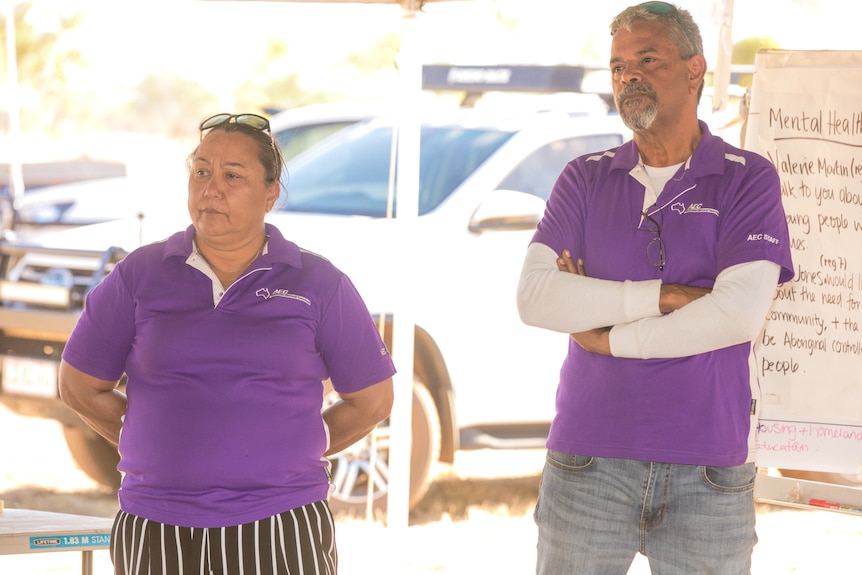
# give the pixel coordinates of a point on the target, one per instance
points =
(419, 2)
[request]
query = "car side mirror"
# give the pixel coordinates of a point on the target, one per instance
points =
(507, 210)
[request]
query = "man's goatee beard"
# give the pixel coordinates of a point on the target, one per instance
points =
(643, 118)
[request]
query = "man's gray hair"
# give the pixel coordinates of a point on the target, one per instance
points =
(682, 29)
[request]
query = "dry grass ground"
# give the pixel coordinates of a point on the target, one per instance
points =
(476, 518)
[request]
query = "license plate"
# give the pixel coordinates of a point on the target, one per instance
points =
(29, 376)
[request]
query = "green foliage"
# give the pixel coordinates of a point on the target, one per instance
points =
(43, 64)
(167, 105)
(273, 84)
(39, 57)
(56, 102)
(269, 83)
(743, 52)
(379, 55)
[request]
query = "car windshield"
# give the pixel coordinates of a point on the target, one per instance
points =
(297, 139)
(351, 177)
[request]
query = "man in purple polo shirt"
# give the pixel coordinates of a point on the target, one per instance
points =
(226, 332)
(660, 258)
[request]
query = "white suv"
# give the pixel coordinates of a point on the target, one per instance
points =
(482, 378)
(51, 208)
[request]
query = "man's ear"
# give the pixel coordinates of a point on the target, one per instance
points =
(696, 67)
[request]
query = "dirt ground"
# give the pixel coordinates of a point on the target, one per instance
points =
(476, 518)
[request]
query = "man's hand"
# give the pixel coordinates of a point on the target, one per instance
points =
(594, 340)
(671, 298)
(675, 296)
(565, 263)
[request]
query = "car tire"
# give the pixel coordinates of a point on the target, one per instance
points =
(350, 468)
(94, 455)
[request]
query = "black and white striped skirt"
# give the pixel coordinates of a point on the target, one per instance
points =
(301, 540)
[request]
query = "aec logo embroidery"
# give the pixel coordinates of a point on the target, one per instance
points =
(680, 208)
(265, 294)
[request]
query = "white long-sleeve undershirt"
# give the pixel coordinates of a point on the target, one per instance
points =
(732, 313)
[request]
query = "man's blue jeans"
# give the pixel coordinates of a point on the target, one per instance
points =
(595, 514)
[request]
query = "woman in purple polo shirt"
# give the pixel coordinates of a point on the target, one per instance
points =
(225, 332)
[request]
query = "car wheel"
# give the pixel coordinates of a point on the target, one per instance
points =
(366, 463)
(94, 455)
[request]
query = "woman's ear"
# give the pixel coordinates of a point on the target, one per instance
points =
(272, 196)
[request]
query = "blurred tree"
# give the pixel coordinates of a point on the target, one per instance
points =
(373, 72)
(743, 52)
(43, 67)
(506, 18)
(162, 104)
(272, 86)
(378, 56)
(273, 83)
(57, 100)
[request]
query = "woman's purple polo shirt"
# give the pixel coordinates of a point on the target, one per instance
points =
(224, 422)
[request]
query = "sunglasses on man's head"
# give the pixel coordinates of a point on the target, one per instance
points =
(250, 120)
(658, 7)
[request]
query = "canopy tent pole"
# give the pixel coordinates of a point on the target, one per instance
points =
(723, 15)
(407, 212)
(16, 177)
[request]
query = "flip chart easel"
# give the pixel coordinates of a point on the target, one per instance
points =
(806, 117)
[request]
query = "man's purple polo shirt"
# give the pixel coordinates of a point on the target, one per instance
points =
(224, 422)
(722, 208)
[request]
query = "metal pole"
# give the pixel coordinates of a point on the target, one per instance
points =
(723, 10)
(16, 178)
(87, 562)
(407, 211)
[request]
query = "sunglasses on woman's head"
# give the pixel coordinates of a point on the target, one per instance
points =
(250, 120)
